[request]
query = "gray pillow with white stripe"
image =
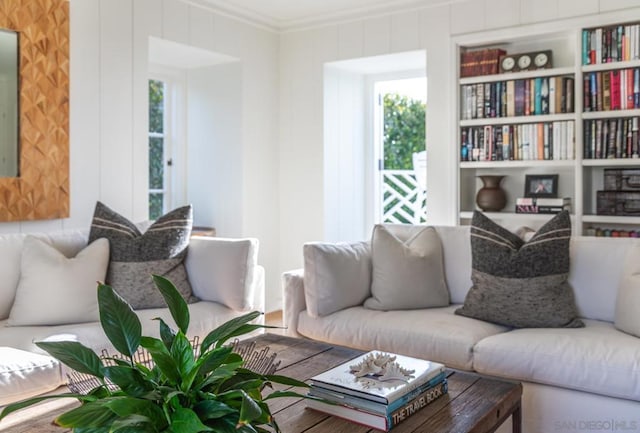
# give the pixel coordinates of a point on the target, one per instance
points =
(521, 284)
(135, 256)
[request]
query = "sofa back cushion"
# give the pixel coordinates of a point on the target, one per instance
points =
(408, 271)
(456, 246)
(69, 243)
(597, 265)
(336, 276)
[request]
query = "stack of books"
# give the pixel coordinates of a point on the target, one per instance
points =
(378, 390)
(542, 205)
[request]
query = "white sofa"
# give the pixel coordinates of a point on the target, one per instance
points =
(574, 380)
(222, 272)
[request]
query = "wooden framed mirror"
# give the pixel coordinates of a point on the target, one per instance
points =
(41, 189)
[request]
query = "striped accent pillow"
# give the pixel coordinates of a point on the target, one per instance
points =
(517, 283)
(136, 256)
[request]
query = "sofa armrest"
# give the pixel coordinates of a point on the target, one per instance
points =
(226, 271)
(294, 301)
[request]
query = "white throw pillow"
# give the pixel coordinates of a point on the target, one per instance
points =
(407, 273)
(56, 290)
(336, 276)
(628, 301)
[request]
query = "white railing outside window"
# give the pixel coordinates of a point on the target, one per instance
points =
(404, 200)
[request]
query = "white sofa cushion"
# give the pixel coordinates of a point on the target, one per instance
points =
(408, 271)
(25, 374)
(596, 270)
(54, 289)
(597, 358)
(205, 316)
(336, 276)
(435, 333)
(456, 245)
(225, 271)
(628, 301)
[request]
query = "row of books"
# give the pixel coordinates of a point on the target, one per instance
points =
(612, 233)
(535, 141)
(611, 44)
(612, 90)
(526, 97)
(542, 205)
(371, 392)
(611, 138)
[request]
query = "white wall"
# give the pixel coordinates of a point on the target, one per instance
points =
(302, 58)
(214, 159)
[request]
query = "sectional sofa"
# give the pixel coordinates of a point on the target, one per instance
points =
(574, 379)
(223, 273)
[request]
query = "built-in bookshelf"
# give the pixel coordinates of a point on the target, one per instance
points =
(576, 117)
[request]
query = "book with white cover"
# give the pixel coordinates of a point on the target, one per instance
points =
(378, 376)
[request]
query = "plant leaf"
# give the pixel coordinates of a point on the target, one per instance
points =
(120, 323)
(280, 394)
(127, 406)
(249, 411)
(212, 409)
(128, 379)
(185, 420)
(182, 353)
(92, 414)
(74, 355)
(213, 359)
(286, 380)
(222, 331)
(175, 301)
(162, 358)
(10, 408)
(166, 333)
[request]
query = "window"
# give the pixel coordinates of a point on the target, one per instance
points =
(158, 192)
(399, 136)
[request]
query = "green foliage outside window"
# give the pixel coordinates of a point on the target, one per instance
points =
(156, 106)
(404, 131)
(156, 148)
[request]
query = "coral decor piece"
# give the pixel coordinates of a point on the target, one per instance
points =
(380, 369)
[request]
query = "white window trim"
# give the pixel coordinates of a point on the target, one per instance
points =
(175, 132)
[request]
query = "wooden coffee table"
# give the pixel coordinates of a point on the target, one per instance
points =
(473, 404)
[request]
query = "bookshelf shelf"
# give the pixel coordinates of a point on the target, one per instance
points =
(611, 66)
(519, 119)
(611, 114)
(579, 176)
(626, 162)
(518, 164)
(518, 75)
(609, 219)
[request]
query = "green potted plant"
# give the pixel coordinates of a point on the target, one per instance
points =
(182, 393)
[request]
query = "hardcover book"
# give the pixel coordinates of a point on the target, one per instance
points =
(378, 421)
(372, 406)
(378, 376)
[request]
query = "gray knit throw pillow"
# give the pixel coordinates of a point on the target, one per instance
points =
(518, 284)
(135, 256)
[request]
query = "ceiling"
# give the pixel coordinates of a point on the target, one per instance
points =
(284, 15)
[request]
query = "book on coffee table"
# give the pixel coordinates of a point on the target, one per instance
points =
(384, 422)
(378, 376)
(373, 406)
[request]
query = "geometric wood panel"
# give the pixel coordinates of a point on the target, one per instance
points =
(41, 190)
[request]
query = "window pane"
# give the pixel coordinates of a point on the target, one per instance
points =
(156, 106)
(156, 163)
(155, 205)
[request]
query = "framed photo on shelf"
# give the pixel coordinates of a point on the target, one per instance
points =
(541, 185)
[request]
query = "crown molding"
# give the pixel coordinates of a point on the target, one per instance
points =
(273, 24)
